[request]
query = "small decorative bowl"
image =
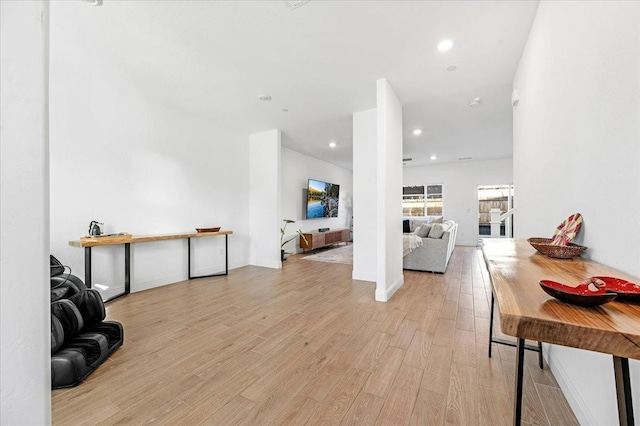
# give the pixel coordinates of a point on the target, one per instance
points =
(544, 246)
(580, 295)
(216, 229)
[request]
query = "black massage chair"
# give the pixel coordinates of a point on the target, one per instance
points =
(80, 338)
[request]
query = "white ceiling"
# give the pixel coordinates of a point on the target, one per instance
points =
(321, 61)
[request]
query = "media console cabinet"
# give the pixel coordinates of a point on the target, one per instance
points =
(322, 239)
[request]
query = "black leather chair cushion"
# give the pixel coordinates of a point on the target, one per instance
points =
(90, 305)
(69, 317)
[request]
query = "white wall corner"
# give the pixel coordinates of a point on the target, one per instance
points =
(384, 295)
(389, 189)
(25, 329)
(264, 198)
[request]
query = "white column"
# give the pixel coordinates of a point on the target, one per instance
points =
(365, 195)
(389, 186)
(25, 331)
(264, 198)
(495, 222)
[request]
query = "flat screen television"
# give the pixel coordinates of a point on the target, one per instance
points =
(322, 199)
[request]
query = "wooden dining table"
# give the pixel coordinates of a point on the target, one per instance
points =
(527, 312)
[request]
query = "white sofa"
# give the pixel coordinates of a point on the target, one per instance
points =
(435, 253)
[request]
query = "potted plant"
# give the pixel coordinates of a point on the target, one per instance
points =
(282, 239)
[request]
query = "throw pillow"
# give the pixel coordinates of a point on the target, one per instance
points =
(423, 230)
(438, 230)
(415, 224)
(405, 226)
(436, 219)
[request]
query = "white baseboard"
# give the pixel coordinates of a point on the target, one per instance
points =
(158, 282)
(384, 296)
(577, 404)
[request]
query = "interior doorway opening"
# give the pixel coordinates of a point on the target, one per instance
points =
(495, 197)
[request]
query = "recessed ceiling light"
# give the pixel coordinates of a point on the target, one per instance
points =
(475, 102)
(433, 157)
(332, 144)
(93, 2)
(417, 132)
(264, 97)
(445, 45)
(452, 68)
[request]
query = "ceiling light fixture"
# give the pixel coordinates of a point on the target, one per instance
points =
(417, 132)
(445, 45)
(475, 102)
(433, 157)
(264, 98)
(332, 144)
(452, 68)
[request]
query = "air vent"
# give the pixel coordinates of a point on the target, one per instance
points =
(404, 160)
(294, 4)
(465, 158)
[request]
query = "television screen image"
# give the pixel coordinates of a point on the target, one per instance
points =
(322, 199)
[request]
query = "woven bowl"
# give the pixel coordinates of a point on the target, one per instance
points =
(543, 245)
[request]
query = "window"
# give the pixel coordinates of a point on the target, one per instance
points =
(413, 202)
(434, 200)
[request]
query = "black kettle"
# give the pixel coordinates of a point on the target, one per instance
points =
(94, 228)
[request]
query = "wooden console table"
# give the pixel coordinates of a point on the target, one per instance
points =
(88, 243)
(321, 239)
(527, 312)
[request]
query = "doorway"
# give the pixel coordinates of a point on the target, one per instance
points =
(495, 197)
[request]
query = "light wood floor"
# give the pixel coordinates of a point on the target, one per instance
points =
(308, 345)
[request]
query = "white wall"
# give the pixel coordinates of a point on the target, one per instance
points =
(389, 186)
(577, 149)
(365, 195)
(460, 189)
(126, 157)
(297, 169)
(25, 381)
(264, 198)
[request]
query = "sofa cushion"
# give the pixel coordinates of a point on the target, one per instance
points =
(436, 219)
(423, 230)
(438, 230)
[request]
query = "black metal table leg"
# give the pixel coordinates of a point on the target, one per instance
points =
(540, 356)
(127, 268)
(537, 348)
(189, 257)
(517, 395)
(226, 260)
(87, 266)
(623, 391)
(491, 324)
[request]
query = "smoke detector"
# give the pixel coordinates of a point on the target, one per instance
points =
(265, 98)
(294, 4)
(475, 102)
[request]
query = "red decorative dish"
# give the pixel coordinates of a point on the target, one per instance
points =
(208, 229)
(582, 295)
(626, 291)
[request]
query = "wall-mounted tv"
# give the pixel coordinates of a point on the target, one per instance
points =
(322, 199)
